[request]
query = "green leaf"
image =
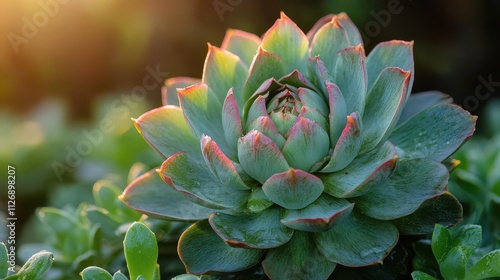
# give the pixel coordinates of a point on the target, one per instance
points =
(223, 70)
(410, 184)
(258, 231)
(35, 267)
(169, 91)
(441, 242)
(419, 101)
(186, 277)
(468, 237)
(444, 209)
(95, 273)
(107, 221)
(350, 77)
(260, 157)
(363, 173)
(293, 189)
(328, 41)
(384, 104)
(347, 146)
(307, 144)
(319, 216)
(167, 132)
(242, 44)
(199, 184)
(486, 267)
(231, 121)
(4, 261)
(358, 241)
(258, 201)
(286, 40)
(436, 132)
(313, 99)
(266, 126)
(202, 251)
(141, 251)
(350, 28)
(105, 194)
(338, 112)
(298, 259)
(454, 264)
(393, 53)
(120, 276)
(419, 275)
(150, 195)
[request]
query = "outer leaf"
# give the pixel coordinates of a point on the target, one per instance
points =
(435, 133)
(350, 28)
(35, 267)
(169, 90)
(330, 39)
(322, 21)
(260, 157)
(393, 53)
(95, 273)
(286, 40)
(419, 275)
(363, 173)
(383, 106)
(485, 267)
(298, 259)
(141, 251)
(242, 44)
(417, 102)
(358, 241)
(319, 216)
(223, 70)
(293, 189)
(259, 231)
(202, 112)
(148, 194)
(4, 261)
(202, 250)
(454, 264)
(350, 77)
(410, 184)
(441, 242)
(231, 121)
(444, 209)
(198, 183)
(347, 146)
(167, 132)
(120, 276)
(338, 112)
(306, 145)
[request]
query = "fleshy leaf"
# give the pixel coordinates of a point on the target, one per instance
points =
(384, 104)
(148, 194)
(393, 53)
(293, 189)
(141, 251)
(436, 132)
(362, 174)
(350, 28)
(350, 77)
(338, 112)
(167, 132)
(319, 75)
(231, 121)
(441, 242)
(419, 275)
(265, 65)
(242, 44)
(258, 201)
(297, 259)
(220, 165)
(35, 267)
(330, 39)
(410, 184)
(257, 109)
(258, 231)
(322, 21)
(485, 267)
(312, 99)
(223, 70)
(444, 209)
(453, 266)
(260, 157)
(286, 40)
(283, 121)
(202, 112)
(4, 261)
(347, 146)
(94, 272)
(202, 251)
(319, 216)
(169, 90)
(417, 102)
(199, 185)
(358, 241)
(268, 128)
(307, 144)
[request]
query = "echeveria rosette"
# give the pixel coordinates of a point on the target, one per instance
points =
(309, 150)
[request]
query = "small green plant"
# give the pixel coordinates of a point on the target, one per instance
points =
(34, 269)
(456, 255)
(141, 253)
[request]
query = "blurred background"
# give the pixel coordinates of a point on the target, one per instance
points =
(67, 68)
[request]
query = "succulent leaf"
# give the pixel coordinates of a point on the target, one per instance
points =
(258, 201)
(169, 90)
(218, 257)
(351, 29)
(338, 112)
(242, 44)
(231, 121)
(417, 102)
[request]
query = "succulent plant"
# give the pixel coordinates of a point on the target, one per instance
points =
(299, 152)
